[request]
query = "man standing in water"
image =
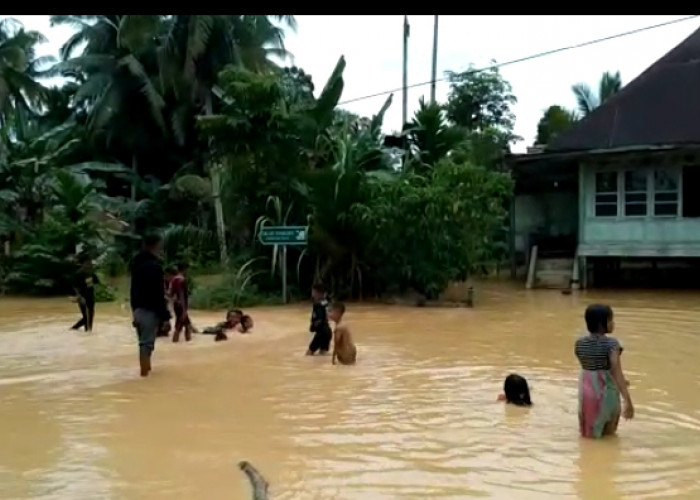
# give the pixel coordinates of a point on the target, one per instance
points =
(147, 298)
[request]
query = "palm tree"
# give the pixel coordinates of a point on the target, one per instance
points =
(429, 135)
(260, 38)
(610, 84)
(20, 93)
(117, 75)
(196, 49)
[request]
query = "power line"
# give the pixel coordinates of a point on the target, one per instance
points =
(527, 58)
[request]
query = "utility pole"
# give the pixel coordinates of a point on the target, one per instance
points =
(406, 32)
(434, 72)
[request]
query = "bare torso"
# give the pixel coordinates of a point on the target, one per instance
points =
(343, 347)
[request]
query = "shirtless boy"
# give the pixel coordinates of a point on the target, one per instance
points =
(344, 349)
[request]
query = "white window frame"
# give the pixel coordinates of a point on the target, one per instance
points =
(623, 188)
(678, 174)
(650, 193)
(606, 193)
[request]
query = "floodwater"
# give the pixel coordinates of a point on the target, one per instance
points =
(416, 418)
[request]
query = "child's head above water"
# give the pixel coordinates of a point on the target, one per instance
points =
(336, 311)
(516, 390)
(233, 316)
(599, 318)
(246, 323)
(318, 291)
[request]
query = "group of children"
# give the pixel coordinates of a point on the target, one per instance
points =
(344, 350)
(177, 293)
(602, 382)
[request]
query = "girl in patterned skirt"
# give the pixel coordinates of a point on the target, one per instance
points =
(601, 381)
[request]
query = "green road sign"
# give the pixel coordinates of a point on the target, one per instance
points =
(283, 235)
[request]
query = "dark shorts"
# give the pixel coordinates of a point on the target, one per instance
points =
(182, 318)
(321, 341)
(147, 325)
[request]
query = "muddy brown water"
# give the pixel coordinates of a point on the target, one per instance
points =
(416, 418)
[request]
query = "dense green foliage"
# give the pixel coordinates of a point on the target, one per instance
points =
(186, 125)
(554, 122)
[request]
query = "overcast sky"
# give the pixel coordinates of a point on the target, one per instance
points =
(372, 46)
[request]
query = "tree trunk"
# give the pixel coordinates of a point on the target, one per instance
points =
(135, 172)
(215, 173)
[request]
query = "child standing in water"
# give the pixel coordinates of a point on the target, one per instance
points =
(602, 381)
(169, 273)
(179, 294)
(344, 349)
(84, 286)
(319, 322)
(184, 269)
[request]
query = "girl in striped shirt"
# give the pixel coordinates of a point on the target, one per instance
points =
(601, 381)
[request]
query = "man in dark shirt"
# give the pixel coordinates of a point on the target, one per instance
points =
(319, 322)
(148, 298)
(84, 286)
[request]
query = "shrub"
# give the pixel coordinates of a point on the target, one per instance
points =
(105, 293)
(234, 289)
(436, 229)
(112, 263)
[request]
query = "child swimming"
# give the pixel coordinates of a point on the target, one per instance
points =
(245, 325)
(235, 319)
(344, 349)
(601, 381)
(516, 391)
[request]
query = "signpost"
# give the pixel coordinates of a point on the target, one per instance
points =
(284, 236)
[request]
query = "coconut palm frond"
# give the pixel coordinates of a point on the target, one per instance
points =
(586, 99)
